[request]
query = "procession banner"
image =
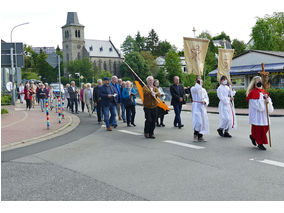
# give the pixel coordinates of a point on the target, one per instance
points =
(195, 50)
(225, 57)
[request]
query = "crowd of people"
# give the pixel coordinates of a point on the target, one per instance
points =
(113, 99)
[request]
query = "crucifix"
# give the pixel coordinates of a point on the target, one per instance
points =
(264, 76)
(224, 42)
(193, 30)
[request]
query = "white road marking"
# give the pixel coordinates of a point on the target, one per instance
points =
(270, 162)
(11, 124)
(20, 109)
(184, 144)
(129, 132)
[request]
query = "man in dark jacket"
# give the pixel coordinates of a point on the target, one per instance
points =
(73, 93)
(97, 100)
(177, 92)
(108, 101)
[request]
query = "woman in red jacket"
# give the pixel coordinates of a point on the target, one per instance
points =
(28, 96)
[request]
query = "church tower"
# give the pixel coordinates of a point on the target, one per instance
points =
(72, 38)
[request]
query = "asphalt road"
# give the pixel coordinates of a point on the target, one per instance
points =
(92, 164)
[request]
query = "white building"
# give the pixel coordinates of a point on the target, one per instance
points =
(161, 62)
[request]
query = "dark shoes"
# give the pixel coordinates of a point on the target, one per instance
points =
(158, 125)
(227, 135)
(252, 140)
(128, 125)
(163, 125)
(261, 147)
(146, 135)
(109, 129)
(180, 126)
(220, 132)
(114, 126)
(152, 136)
(133, 124)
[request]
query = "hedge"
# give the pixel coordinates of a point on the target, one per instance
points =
(277, 96)
(4, 111)
(6, 99)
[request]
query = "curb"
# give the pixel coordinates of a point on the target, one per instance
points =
(74, 121)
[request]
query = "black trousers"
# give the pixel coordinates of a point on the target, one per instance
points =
(130, 114)
(99, 111)
(68, 103)
(28, 103)
(82, 106)
(150, 116)
(74, 101)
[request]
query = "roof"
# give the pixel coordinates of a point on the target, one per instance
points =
(220, 43)
(101, 48)
(252, 69)
(273, 53)
(72, 19)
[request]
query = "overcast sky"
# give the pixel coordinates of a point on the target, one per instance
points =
(118, 18)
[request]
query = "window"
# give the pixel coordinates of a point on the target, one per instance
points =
(66, 34)
(110, 49)
(91, 48)
(101, 49)
(79, 56)
(79, 33)
(105, 65)
(100, 64)
(67, 57)
(76, 33)
(95, 64)
(66, 47)
(110, 65)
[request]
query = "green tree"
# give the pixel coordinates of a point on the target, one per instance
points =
(162, 77)
(140, 42)
(138, 64)
(173, 65)
(129, 45)
(152, 41)
(151, 61)
(222, 36)
(268, 32)
(238, 46)
(163, 48)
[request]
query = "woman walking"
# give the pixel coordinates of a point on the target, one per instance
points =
(28, 96)
(83, 87)
(160, 112)
(42, 96)
(128, 100)
(22, 93)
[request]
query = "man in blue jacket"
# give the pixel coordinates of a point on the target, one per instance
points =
(115, 85)
(108, 100)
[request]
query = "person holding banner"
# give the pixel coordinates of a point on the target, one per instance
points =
(160, 111)
(150, 94)
(226, 108)
(200, 101)
(257, 98)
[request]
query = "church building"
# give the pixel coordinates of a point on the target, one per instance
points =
(102, 53)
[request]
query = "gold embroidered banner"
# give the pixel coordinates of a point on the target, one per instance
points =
(195, 50)
(225, 57)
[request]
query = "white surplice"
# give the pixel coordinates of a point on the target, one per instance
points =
(227, 114)
(199, 113)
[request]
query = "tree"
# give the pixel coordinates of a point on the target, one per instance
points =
(140, 42)
(173, 65)
(129, 45)
(151, 61)
(152, 41)
(138, 64)
(238, 46)
(268, 32)
(162, 48)
(222, 36)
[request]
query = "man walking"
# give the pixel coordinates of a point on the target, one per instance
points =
(118, 98)
(88, 98)
(97, 100)
(108, 95)
(73, 93)
(177, 92)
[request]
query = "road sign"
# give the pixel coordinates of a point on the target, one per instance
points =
(52, 60)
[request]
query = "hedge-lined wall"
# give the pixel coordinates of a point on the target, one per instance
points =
(277, 96)
(6, 99)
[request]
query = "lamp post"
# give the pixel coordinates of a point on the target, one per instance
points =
(12, 62)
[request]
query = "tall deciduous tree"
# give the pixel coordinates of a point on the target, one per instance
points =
(163, 48)
(151, 61)
(173, 65)
(238, 46)
(268, 32)
(129, 45)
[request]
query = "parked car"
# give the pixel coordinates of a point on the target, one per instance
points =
(56, 89)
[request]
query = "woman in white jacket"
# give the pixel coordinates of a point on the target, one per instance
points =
(258, 98)
(226, 108)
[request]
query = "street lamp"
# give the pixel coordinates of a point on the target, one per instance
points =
(12, 62)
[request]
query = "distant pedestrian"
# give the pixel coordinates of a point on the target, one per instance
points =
(108, 100)
(83, 86)
(42, 96)
(150, 94)
(117, 98)
(98, 100)
(123, 83)
(67, 96)
(88, 98)
(258, 98)
(22, 93)
(160, 112)
(128, 99)
(33, 87)
(177, 92)
(73, 92)
(28, 96)
(52, 98)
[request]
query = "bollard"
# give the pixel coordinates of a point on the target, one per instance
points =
(47, 114)
(62, 111)
(59, 109)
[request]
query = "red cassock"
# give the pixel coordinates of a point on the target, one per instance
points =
(258, 114)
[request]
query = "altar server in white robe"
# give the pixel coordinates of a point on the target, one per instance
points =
(226, 108)
(257, 98)
(200, 101)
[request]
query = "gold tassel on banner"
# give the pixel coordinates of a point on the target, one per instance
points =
(195, 52)
(225, 57)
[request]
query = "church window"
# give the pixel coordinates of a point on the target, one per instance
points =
(79, 56)
(101, 49)
(110, 49)
(110, 65)
(67, 57)
(76, 33)
(66, 47)
(79, 33)
(105, 65)
(100, 64)
(91, 48)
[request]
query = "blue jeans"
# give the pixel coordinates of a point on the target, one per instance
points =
(177, 109)
(42, 102)
(123, 111)
(110, 121)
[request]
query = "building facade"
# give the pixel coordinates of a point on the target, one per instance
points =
(102, 53)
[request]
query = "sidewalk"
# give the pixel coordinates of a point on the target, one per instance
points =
(214, 110)
(20, 127)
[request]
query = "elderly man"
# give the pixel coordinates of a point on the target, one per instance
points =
(108, 100)
(73, 93)
(150, 94)
(118, 98)
(97, 100)
(88, 98)
(177, 92)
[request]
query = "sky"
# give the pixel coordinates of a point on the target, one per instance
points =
(172, 20)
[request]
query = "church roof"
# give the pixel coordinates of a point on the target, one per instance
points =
(101, 48)
(72, 19)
